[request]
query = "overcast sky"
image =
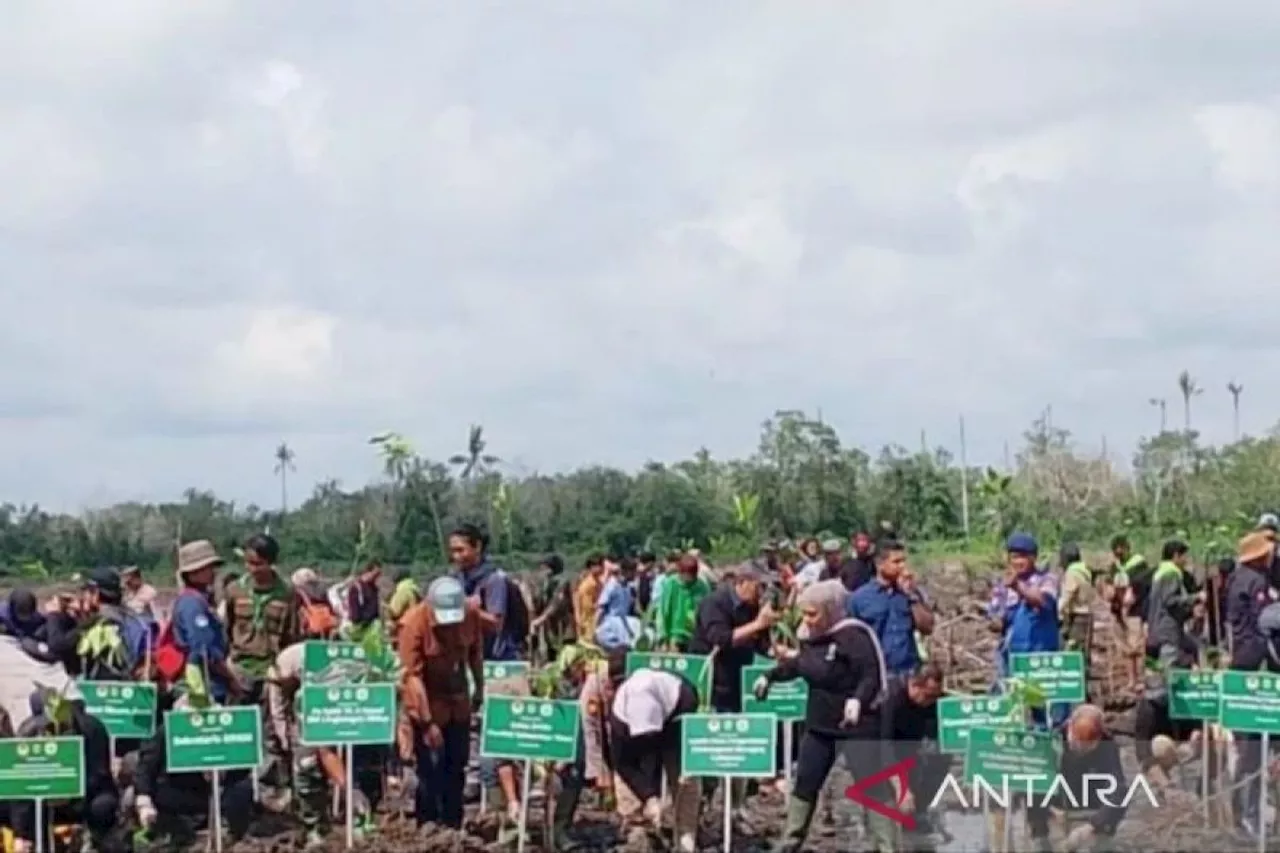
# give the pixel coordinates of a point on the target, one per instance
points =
(613, 231)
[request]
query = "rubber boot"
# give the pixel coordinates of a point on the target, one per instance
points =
(562, 818)
(799, 818)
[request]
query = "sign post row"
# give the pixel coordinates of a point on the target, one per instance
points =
(729, 746)
(213, 740)
(528, 729)
(40, 769)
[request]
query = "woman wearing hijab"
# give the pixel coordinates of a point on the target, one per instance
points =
(840, 660)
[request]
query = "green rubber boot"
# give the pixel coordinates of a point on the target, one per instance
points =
(799, 817)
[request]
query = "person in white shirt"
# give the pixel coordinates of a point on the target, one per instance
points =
(644, 729)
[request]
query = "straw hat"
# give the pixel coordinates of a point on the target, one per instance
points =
(1254, 547)
(197, 555)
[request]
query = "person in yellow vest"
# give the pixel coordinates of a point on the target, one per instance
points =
(1075, 606)
(1126, 589)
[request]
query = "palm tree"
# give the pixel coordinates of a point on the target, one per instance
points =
(475, 462)
(398, 461)
(1187, 385)
(1160, 403)
(1236, 390)
(284, 464)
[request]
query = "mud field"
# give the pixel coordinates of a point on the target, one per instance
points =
(961, 643)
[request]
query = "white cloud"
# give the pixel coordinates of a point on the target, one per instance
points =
(617, 235)
(1245, 140)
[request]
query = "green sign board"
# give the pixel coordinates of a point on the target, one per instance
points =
(527, 729)
(213, 739)
(1250, 702)
(333, 663)
(42, 768)
(787, 699)
(737, 745)
(1014, 759)
(1193, 695)
(1059, 674)
(500, 670)
(347, 714)
(126, 709)
(692, 668)
(958, 715)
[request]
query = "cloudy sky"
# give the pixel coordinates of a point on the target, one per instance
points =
(612, 231)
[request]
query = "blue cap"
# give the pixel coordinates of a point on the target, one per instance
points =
(1022, 543)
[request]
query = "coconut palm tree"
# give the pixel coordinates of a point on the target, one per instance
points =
(1236, 389)
(475, 462)
(398, 462)
(1188, 387)
(1160, 403)
(284, 464)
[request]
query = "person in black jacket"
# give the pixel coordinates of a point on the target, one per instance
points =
(176, 805)
(908, 722)
(839, 658)
(734, 621)
(860, 567)
(1091, 754)
(99, 809)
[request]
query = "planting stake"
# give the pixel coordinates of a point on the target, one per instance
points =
(351, 800)
(215, 811)
(1204, 772)
(1265, 783)
(728, 815)
(787, 729)
(40, 827)
(523, 823)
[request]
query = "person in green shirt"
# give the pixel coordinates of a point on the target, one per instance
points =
(678, 606)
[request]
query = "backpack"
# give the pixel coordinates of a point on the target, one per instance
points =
(116, 646)
(170, 659)
(516, 624)
(316, 616)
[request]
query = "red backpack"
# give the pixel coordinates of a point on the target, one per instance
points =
(171, 659)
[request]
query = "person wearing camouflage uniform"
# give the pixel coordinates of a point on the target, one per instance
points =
(262, 621)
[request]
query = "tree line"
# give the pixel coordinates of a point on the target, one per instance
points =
(801, 480)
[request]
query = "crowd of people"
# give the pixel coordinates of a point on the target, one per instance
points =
(237, 637)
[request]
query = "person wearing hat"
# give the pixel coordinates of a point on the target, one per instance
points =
(1248, 595)
(1026, 607)
(439, 637)
(733, 620)
(197, 631)
(832, 558)
(139, 596)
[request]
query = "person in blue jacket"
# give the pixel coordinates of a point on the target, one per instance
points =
(1027, 607)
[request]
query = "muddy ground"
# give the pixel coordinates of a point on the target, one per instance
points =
(962, 643)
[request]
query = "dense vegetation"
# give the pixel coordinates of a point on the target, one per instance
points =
(801, 480)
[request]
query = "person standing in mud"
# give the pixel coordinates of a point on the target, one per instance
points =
(682, 594)
(839, 659)
(893, 608)
(490, 594)
(1248, 594)
(1026, 607)
(1126, 589)
(441, 640)
(1169, 606)
(554, 625)
(1075, 608)
(262, 621)
(586, 598)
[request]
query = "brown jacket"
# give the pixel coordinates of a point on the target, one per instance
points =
(434, 680)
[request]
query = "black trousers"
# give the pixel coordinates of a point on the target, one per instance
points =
(638, 759)
(442, 775)
(181, 812)
(818, 753)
